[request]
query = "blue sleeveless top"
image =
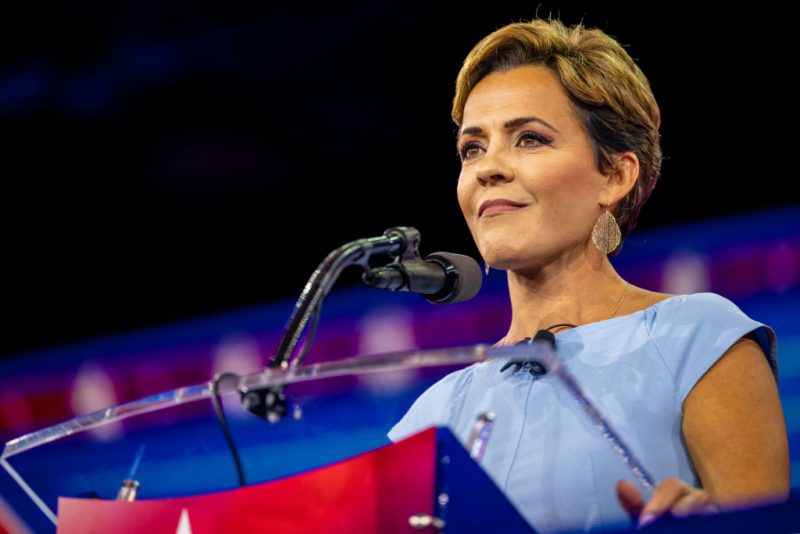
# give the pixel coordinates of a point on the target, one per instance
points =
(638, 369)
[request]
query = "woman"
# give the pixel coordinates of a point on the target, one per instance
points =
(559, 143)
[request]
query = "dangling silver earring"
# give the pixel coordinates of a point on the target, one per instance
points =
(486, 268)
(606, 234)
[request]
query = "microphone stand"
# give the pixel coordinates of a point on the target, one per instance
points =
(397, 241)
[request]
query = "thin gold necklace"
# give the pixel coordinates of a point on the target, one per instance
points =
(503, 341)
(624, 294)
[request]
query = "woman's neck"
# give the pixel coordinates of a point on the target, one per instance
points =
(580, 289)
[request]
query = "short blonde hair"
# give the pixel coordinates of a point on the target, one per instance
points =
(611, 94)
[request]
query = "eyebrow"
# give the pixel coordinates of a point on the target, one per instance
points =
(508, 125)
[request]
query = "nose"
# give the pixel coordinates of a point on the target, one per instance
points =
(493, 169)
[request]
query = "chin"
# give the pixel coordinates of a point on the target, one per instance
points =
(505, 256)
(520, 254)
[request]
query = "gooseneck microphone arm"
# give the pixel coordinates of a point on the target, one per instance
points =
(440, 278)
(270, 403)
(396, 241)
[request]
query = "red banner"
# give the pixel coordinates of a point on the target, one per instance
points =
(373, 492)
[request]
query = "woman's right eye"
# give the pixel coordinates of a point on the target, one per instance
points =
(469, 151)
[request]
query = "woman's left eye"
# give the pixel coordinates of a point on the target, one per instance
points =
(532, 139)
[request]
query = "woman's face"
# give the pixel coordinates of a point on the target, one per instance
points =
(529, 187)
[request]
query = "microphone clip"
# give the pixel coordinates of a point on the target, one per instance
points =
(536, 369)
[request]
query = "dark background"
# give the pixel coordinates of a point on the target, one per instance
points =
(172, 160)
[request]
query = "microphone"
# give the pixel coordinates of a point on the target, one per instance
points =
(441, 278)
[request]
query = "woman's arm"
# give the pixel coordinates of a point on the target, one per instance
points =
(734, 429)
(735, 432)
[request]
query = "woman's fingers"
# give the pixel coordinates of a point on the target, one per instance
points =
(696, 502)
(675, 496)
(630, 498)
(666, 494)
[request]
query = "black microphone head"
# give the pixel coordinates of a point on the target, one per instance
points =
(463, 274)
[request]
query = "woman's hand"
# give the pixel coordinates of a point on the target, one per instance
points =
(672, 495)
